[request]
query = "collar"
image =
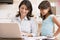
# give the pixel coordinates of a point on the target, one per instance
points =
(25, 18)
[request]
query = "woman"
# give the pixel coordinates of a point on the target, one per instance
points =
(28, 26)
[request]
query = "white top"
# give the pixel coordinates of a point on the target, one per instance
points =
(28, 26)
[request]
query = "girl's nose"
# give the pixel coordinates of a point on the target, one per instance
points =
(23, 10)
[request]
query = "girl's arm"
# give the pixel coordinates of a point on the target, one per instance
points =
(58, 24)
(39, 29)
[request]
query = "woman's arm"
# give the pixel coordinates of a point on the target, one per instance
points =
(58, 24)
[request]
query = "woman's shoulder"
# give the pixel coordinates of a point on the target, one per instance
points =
(32, 18)
(15, 18)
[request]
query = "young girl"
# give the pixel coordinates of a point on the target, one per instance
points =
(28, 27)
(48, 20)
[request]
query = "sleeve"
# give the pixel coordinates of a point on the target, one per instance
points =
(34, 27)
(14, 19)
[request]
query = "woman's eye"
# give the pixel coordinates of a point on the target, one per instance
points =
(22, 8)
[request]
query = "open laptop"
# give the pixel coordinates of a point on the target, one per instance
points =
(9, 30)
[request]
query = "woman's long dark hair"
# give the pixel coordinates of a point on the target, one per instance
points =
(29, 7)
(45, 5)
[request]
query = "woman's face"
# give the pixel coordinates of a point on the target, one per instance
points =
(44, 11)
(23, 10)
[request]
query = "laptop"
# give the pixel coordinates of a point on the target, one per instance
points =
(9, 30)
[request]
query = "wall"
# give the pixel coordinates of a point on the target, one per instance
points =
(8, 10)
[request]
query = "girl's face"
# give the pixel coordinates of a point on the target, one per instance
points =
(23, 10)
(44, 11)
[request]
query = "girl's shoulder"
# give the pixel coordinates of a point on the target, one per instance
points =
(52, 16)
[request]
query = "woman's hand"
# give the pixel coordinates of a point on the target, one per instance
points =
(29, 35)
(26, 34)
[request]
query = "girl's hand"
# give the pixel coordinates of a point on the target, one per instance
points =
(55, 36)
(29, 35)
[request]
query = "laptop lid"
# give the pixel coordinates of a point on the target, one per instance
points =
(9, 30)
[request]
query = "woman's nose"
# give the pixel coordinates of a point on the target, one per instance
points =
(23, 10)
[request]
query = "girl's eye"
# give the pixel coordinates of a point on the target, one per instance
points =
(22, 8)
(26, 9)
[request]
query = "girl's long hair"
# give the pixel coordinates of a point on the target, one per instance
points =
(45, 5)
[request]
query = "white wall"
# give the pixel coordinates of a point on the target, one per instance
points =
(8, 10)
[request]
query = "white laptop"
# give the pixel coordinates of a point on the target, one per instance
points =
(9, 30)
